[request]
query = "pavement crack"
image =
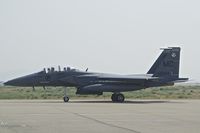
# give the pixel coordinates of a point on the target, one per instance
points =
(104, 123)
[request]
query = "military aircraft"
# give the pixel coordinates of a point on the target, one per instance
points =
(164, 72)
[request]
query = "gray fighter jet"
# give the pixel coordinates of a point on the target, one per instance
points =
(164, 72)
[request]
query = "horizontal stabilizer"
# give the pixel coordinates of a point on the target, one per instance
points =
(180, 80)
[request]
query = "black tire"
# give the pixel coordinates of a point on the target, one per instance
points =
(66, 99)
(120, 98)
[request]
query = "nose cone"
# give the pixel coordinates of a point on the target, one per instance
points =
(22, 81)
(14, 82)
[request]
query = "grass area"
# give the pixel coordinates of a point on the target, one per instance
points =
(175, 92)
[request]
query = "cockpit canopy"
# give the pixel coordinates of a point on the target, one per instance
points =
(65, 69)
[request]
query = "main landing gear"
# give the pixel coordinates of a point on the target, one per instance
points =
(65, 98)
(118, 97)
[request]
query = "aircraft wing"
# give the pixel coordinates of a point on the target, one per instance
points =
(102, 78)
(121, 77)
(126, 79)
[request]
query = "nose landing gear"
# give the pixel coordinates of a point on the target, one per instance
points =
(65, 98)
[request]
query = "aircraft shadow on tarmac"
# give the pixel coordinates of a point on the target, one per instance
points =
(104, 101)
(125, 102)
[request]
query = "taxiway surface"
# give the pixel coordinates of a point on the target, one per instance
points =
(99, 116)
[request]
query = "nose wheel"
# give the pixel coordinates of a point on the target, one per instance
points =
(118, 97)
(65, 98)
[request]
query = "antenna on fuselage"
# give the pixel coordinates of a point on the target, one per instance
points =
(86, 70)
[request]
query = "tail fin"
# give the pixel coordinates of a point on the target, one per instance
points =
(167, 64)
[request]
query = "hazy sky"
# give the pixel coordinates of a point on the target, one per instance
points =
(115, 36)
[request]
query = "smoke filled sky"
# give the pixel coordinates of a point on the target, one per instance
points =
(114, 36)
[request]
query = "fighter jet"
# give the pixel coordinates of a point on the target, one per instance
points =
(164, 72)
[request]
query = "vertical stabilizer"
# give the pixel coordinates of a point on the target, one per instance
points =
(167, 64)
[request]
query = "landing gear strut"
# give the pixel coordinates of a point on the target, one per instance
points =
(118, 97)
(65, 98)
